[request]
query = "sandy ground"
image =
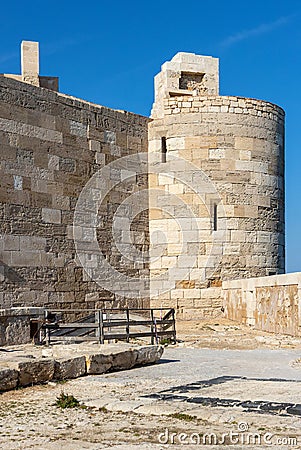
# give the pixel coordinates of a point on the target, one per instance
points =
(216, 359)
(223, 333)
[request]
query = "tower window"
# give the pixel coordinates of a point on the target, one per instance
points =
(215, 217)
(163, 149)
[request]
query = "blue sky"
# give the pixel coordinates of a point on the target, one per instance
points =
(108, 53)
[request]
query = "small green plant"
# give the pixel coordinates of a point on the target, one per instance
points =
(182, 416)
(61, 381)
(103, 409)
(165, 341)
(67, 401)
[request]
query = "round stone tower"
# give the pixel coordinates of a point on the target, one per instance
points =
(237, 145)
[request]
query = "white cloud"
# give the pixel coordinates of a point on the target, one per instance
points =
(257, 31)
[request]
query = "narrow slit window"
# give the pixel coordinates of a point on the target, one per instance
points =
(215, 217)
(163, 149)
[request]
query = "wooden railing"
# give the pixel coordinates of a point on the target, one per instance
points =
(108, 325)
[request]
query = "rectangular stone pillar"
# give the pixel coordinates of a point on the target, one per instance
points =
(30, 62)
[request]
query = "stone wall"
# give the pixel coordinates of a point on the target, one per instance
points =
(15, 324)
(51, 145)
(268, 303)
(216, 178)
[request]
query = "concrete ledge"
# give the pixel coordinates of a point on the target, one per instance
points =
(27, 365)
(272, 280)
(22, 311)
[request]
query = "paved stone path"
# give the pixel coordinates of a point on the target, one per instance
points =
(252, 375)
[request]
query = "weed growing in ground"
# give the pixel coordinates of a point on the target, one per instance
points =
(182, 416)
(103, 409)
(67, 401)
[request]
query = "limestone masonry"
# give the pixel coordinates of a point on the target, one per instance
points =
(239, 144)
(52, 144)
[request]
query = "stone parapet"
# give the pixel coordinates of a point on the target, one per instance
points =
(268, 303)
(222, 104)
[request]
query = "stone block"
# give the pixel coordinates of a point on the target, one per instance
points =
(216, 153)
(53, 162)
(244, 143)
(8, 378)
(168, 261)
(154, 145)
(177, 294)
(109, 137)
(94, 146)
(30, 243)
(65, 368)
(149, 354)
(98, 363)
(11, 242)
(185, 303)
(238, 236)
(51, 215)
(124, 360)
(165, 179)
(211, 293)
(192, 293)
(25, 258)
(78, 128)
(35, 371)
(175, 143)
(187, 261)
(202, 303)
(30, 58)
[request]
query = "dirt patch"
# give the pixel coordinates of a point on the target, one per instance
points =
(225, 334)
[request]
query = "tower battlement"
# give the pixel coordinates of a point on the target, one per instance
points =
(186, 74)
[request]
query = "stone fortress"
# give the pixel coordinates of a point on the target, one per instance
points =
(51, 146)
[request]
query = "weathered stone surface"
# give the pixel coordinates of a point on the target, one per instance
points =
(35, 371)
(270, 304)
(124, 360)
(8, 378)
(26, 365)
(124, 406)
(51, 146)
(69, 368)
(14, 330)
(98, 363)
(235, 227)
(148, 355)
